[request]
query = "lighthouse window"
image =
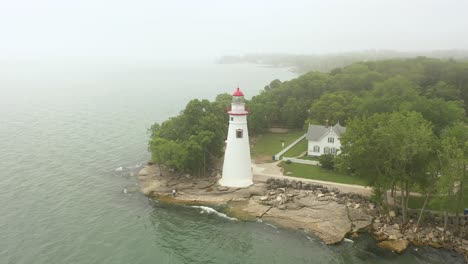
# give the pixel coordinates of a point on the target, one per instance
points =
(239, 133)
(232, 118)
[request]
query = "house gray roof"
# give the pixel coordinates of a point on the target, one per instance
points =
(315, 132)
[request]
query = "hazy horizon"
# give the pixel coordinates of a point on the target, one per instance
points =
(206, 30)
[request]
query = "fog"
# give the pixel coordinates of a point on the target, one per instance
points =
(202, 29)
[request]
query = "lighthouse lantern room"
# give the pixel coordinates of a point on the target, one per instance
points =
(237, 169)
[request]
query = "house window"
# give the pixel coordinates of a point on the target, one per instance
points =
(316, 148)
(331, 140)
(326, 150)
(333, 151)
(239, 133)
(232, 118)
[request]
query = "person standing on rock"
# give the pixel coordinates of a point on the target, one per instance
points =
(174, 192)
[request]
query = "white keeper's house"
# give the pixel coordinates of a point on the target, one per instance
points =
(324, 139)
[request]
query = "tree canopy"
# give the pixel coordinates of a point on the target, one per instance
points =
(438, 89)
(401, 117)
(190, 141)
(389, 149)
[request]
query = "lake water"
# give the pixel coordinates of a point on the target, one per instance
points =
(72, 137)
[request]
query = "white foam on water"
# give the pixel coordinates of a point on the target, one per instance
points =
(271, 225)
(119, 169)
(209, 210)
(135, 166)
(348, 240)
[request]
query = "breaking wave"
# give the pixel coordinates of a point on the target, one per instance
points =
(209, 210)
(268, 224)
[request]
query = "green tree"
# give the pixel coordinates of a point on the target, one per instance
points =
(334, 107)
(443, 90)
(327, 161)
(198, 152)
(391, 95)
(439, 112)
(168, 153)
(293, 113)
(398, 144)
(453, 180)
(273, 84)
(190, 141)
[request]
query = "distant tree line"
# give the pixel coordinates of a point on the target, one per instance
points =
(302, 63)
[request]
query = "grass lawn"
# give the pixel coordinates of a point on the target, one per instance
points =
(297, 150)
(416, 202)
(269, 144)
(309, 158)
(315, 172)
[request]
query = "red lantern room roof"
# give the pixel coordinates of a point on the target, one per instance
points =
(238, 92)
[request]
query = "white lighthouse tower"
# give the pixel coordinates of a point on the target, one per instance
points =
(237, 171)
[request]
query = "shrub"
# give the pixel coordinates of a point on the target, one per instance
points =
(327, 161)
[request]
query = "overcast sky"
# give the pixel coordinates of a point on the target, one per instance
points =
(153, 29)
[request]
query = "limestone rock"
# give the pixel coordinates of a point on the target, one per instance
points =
(380, 236)
(434, 244)
(430, 235)
(204, 184)
(359, 219)
(327, 220)
(222, 188)
(147, 170)
(250, 207)
(397, 246)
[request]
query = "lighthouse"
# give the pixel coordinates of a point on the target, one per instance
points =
(237, 171)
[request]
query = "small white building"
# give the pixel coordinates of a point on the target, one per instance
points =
(324, 139)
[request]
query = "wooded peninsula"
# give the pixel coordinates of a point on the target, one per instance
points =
(406, 126)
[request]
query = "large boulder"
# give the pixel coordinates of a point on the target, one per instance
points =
(359, 218)
(397, 246)
(327, 220)
(148, 170)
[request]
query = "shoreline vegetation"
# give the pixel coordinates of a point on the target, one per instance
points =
(406, 133)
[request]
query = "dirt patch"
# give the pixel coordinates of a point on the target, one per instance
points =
(264, 159)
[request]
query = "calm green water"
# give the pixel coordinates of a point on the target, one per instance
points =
(73, 136)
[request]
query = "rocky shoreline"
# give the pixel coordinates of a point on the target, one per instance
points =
(326, 212)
